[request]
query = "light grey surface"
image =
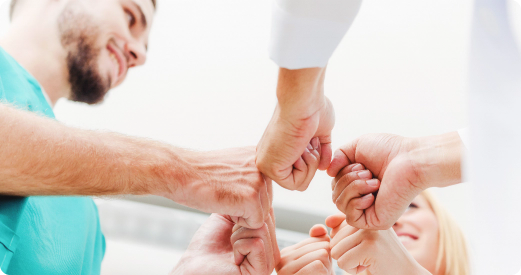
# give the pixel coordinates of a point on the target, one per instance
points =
(144, 238)
(288, 219)
(163, 226)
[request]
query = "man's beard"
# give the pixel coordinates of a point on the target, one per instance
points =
(78, 36)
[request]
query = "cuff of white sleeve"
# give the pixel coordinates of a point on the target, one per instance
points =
(464, 135)
(298, 42)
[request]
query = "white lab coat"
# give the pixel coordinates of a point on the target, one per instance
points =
(495, 140)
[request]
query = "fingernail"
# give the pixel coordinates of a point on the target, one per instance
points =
(306, 151)
(358, 167)
(314, 142)
(364, 174)
(367, 197)
(310, 147)
(372, 182)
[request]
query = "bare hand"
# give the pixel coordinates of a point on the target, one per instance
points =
(402, 168)
(281, 153)
(309, 257)
(378, 251)
(227, 182)
(219, 248)
(387, 157)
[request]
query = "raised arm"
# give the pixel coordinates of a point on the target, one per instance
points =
(39, 156)
(303, 116)
(304, 36)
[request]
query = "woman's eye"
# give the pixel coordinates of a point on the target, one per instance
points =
(413, 205)
(130, 18)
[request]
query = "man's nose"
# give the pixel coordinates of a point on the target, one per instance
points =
(137, 53)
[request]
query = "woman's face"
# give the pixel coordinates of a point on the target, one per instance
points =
(418, 231)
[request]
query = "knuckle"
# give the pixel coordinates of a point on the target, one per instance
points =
(340, 206)
(333, 183)
(351, 218)
(252, 195)
(324, 254)
(318, 267)
(302, 187)
(236, 236)
(264, 231)
(275, 173)
(342, 263)
(257, 244)
(326, 245)
(359, 184)
(351, 176)
(336, 252)
(257, 180)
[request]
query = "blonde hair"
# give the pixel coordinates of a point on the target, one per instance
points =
(452, 256)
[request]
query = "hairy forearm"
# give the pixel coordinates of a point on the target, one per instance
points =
(39, 156)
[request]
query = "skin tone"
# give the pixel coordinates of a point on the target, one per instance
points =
(126, 26)
(78, 162)
(357, 250)
(413, 242)
(220, 247)
(302, 113)
(309, 257)
(418, 231)
(401, 167)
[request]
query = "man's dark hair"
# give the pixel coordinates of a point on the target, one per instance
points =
(13, 4)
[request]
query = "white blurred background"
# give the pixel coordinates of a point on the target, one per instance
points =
(208, 84)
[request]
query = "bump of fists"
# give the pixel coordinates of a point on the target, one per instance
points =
(375, 180)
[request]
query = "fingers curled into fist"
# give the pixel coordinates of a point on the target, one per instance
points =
(309, 257)
(256, 251)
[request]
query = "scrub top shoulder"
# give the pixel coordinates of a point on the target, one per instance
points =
(44, 235)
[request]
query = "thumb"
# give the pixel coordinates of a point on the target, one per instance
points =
(336, 223)
(335, 220)
(325, 155)
(343, 156)
(318, 230)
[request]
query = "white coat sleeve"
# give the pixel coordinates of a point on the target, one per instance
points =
(305, 33)
(464, 135)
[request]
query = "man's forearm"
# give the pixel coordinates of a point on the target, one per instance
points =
(39, 156)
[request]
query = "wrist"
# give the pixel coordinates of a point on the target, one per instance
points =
(437, 159)
(418, 269)
(300, 93)
(171, 173)
(295, 126)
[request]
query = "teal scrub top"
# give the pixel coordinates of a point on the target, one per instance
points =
(44, 235)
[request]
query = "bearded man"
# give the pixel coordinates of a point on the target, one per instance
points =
(79, 50)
